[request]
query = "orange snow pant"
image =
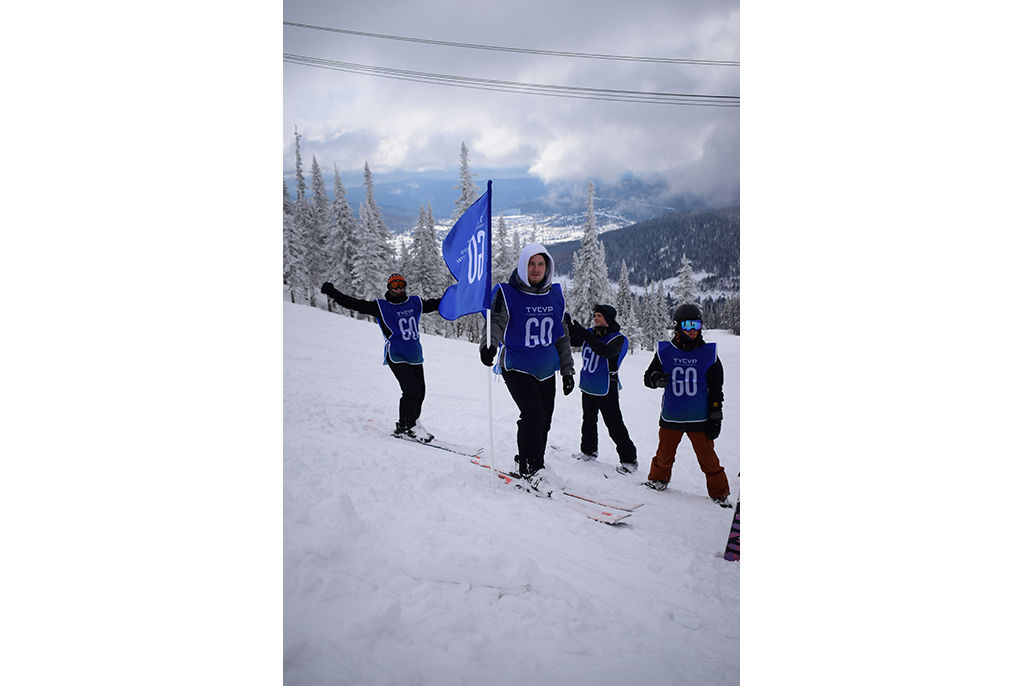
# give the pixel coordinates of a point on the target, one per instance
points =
(714, 472)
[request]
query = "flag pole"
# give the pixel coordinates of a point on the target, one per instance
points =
(490, 412)
(487, 324)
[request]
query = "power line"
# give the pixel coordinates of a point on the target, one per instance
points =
(518, 87)
(556, 53)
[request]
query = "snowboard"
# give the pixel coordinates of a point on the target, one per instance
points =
(732, 547)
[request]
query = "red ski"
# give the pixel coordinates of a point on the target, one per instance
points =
(598, 509)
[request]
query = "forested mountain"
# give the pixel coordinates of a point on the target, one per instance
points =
(653, 249)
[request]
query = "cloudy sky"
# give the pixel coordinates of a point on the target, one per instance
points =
(350, 119)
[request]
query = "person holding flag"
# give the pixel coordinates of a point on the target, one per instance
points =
(531, 343)
(398, 316)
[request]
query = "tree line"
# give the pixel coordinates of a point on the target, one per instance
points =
(325, 240)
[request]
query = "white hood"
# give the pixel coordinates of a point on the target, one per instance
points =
(524, 258)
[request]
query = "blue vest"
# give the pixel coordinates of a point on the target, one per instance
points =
(534, 324)
(404, 322)
(686, 396)
(594, 371)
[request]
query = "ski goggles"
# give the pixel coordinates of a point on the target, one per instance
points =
(690, 325)
(396, 284)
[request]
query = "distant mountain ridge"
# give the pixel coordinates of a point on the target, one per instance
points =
(628, 201)
(654, 249)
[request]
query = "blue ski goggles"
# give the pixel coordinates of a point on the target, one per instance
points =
(690, 325)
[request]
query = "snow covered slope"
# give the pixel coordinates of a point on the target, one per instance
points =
(409, 565)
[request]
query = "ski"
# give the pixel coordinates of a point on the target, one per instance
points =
(732, 548)
(591, 506)
(606, 515)
(441, 446)
(602, 500)
(371, 425)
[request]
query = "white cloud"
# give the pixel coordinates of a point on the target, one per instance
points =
(394, 125)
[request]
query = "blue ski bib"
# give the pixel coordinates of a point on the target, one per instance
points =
(594, 372)
(404, 322)
(686, 396)
(534, 324)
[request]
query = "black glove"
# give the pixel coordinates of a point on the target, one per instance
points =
(327, 287)
(575, 329)
(568, 383)
(656, 379)
(487, 355)
(714, 420)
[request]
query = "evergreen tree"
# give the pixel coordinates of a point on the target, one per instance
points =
(296, 274)
(663, 313)
(296, 230)
(300, 180)
(426, 272)
(686, 285)
(289, 209)
(366, 276)
(444, 279)
(517, 247)
(386, 254)
(590, 285)
(414, 268)
(636, 317)
(316, 232)
(731, 315)
(624, 296)
(341, 239)
(505, 259)
(470, 191)
(403, 257)
(626, 312)
(374, 259)
(647, 333)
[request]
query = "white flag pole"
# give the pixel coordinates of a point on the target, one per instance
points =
(487, 320)
(490, 412)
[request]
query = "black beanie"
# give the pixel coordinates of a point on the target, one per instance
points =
(608, 311)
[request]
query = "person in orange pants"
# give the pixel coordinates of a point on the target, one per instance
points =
(689, 370)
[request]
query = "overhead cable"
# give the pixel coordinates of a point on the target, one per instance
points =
(518, 87)
(556, 53)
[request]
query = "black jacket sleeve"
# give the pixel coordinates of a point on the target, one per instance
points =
(654, 368)
(431, 305)
(499, 318)
(716, 379)
(609, 350)
(367, 307)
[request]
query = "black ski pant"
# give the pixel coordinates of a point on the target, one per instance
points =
(536, 402)
(608, 406)
(414, 390)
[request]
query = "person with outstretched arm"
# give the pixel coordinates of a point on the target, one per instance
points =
(399, 318)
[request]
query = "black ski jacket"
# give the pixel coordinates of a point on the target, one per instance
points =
(715, 380)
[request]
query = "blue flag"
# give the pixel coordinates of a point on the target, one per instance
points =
(467, 252)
